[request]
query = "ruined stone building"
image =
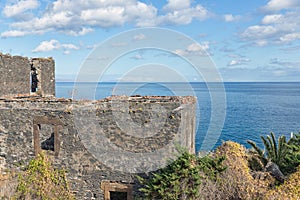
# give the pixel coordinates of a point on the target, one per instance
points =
(71, 131)
(18, 75)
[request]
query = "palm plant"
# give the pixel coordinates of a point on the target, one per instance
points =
(285, 154)
(273, 151)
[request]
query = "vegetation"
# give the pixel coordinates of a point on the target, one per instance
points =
(41, 181)
(240, 176)
(285, 154)
(292, 159)
(289, 190)
(191, 177)
(182, 177)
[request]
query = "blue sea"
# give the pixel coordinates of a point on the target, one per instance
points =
(252, 109)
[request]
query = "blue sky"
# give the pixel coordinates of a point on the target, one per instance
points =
(257, 40)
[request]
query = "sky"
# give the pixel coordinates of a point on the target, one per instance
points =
(257, 40)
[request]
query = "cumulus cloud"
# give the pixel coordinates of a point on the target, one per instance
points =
(177, 4)
(54, 45)
(280, 25)
(275, 5)
(184, 16)
(14, 33)
(79, 17)
(20, 7)
(271, 19)
(231, 18)
(257, 31)
(194, 49)
(290, 37)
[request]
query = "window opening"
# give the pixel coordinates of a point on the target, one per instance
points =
(33, 79)
(52, 143)
(116, 191)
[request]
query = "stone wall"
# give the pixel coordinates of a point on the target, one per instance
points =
(45, 70)
(137, 125)
(15, 74)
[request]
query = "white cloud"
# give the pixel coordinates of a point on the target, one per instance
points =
(79, 17)
(80, 31)
(240, 61)
(194, 49)
(233, 62)
(180, 52)
(277, 28)
(14, 33)
(254, 32)
(270, 19)
(231, 18)
(261, 43)
(290, 37)
(54, 45)
(139, 37)
(177, 4)
(20, 7)
(275, 5)
(184, 16)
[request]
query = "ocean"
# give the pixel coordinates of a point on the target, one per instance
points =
(252, 109)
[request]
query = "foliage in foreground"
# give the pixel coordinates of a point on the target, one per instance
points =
(289, 190)
(285, 154)
(41, 181)
(187, 178)
(182, 177)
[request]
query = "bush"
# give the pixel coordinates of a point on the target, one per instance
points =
(292, 159)
(182, 177)
(236, 182)
(41, 181)
(289, 190)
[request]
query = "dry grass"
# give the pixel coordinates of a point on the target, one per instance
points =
(237, 182)
(290, 190)
(8, 184)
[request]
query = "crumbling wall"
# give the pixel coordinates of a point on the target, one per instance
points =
(45, 74)
(15, 75)
(84, 170)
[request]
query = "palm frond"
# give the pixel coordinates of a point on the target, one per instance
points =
(272, 154)
(268, 148)
(274, 145)
(260, 153)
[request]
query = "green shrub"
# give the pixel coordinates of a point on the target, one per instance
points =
(182, 177)
(41, 181)
(292, 159)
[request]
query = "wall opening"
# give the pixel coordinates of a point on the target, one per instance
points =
(33, 79)
(116, 191)
(48, 143)
(118, 195)
(42, 125)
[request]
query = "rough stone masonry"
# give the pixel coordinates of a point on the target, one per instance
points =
(30, 123)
